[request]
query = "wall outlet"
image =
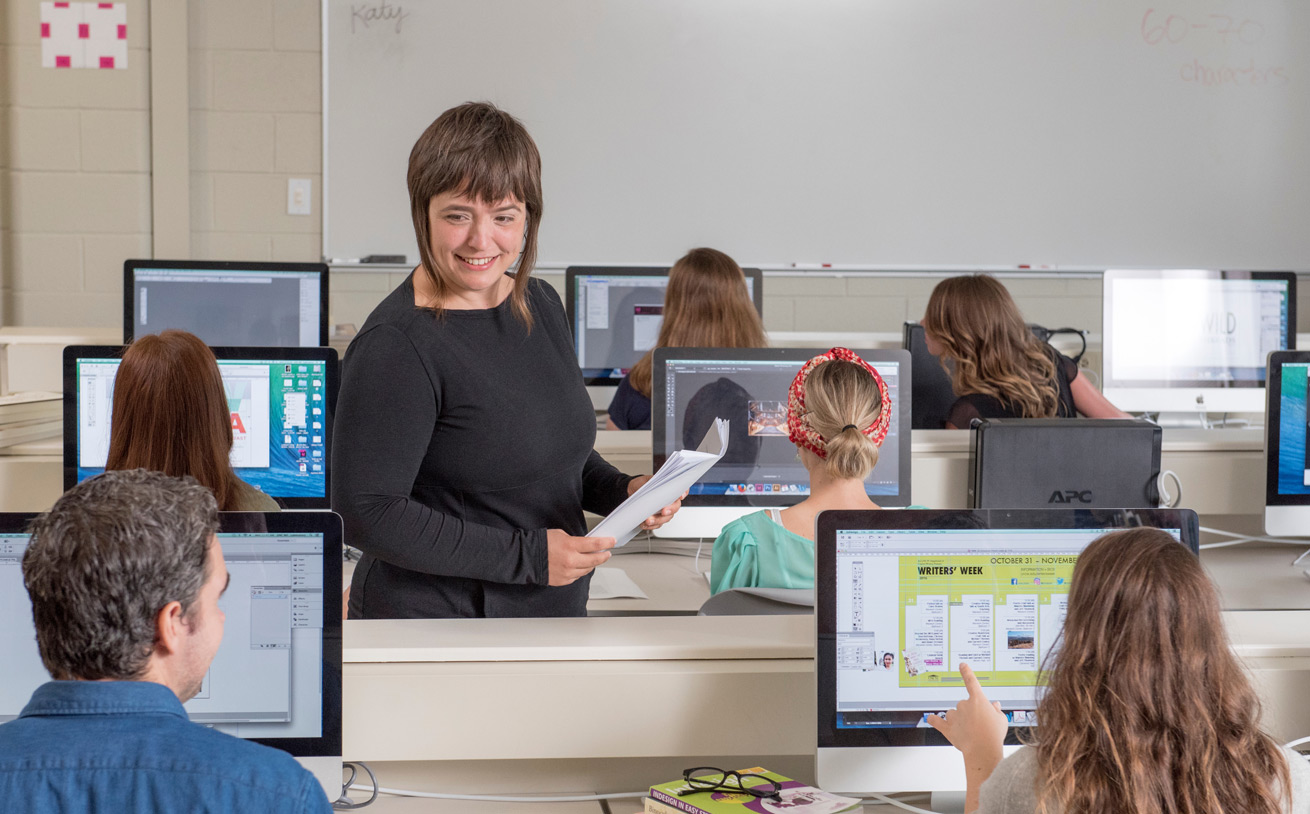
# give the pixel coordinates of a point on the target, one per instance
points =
(298, 192)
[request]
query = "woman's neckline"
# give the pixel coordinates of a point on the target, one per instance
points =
(503, 305)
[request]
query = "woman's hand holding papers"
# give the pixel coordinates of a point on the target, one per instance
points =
(570, 557)
(977, 728)
(663, 515)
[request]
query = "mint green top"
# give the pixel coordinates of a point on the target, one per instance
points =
(756, 551)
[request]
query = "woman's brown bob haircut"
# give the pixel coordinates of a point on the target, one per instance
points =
(171, 415)
(482, 152)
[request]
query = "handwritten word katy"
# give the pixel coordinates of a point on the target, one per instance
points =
(366, 15)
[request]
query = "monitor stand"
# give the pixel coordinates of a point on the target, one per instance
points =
(327, 770)
(947, 802)
(702, 522)
(601, 396)
(1183, 420)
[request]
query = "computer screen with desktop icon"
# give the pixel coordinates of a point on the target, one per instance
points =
(1287, 464)
(904, 597)
(748, 386)
(276, 677)
(281, 402)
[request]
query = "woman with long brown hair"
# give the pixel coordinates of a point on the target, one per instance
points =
(171, 415)
(999, 369)
(706, 305)
(1146, 710)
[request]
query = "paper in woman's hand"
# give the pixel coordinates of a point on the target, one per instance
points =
(683, 468)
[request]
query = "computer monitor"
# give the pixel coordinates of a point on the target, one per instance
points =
(934, 395)
(1187, 340)
(276, 677)
(748, 386)
(616, 314)
(278, 305)
(281, 400)
(932, 589)
(1287, 465)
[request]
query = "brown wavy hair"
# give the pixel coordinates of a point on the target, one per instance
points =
(705, 306)
(981, 330)
(478, 150)
(1147, 711)
(171, 414)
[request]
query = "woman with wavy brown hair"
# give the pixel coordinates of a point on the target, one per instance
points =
(999, 369)
(706, 305)
(1146, 710)
(171, 415)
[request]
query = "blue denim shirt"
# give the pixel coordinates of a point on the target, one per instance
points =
(128, 746)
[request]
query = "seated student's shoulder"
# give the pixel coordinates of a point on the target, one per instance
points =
(1011, 788)
(1299, 775)
(250, 767)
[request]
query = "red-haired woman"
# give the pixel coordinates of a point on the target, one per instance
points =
(171, 415)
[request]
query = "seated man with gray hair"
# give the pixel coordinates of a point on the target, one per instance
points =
(125, 573)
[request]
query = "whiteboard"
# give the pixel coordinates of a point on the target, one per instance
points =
(1090, 133)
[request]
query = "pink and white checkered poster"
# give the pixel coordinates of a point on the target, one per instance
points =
(84, 35)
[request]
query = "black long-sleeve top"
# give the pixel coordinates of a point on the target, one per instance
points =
(458, 440)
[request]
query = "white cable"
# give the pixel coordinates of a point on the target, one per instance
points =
(489, 798)
(699, 544)
(892, 801)
(1168, 501)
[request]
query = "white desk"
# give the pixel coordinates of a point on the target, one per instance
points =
(548, 704)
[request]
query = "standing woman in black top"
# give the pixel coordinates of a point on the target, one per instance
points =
(1000, 370)
(463, 454)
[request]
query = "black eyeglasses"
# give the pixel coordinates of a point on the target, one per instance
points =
(707, 778)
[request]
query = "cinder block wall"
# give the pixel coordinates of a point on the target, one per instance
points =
(255, 123)
(78, 183)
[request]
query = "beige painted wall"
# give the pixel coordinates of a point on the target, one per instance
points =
(75, 178)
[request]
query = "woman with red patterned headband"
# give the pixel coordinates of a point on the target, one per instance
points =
(837, 416)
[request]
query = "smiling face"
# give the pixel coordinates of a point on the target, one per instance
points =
(473, 244)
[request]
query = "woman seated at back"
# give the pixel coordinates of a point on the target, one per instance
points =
(706, 305)
(1146, 710)
(837, 416)
(171, 415)
(999, 369)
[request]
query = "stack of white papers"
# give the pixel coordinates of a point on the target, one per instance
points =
(683, 468)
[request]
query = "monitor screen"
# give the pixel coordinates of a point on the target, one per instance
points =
(280, 401)
(616, 314)
(905, 597)
(693, 386)
(276, 677)
(1287, 461)
(1193, 332)
(276, 305)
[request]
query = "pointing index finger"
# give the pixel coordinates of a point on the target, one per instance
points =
(971, 682)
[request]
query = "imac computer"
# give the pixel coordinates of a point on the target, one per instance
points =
(903, 597)
(616, 314)
(281, 401)
(1287, 465)
(278, 305)
(276, 678)
(748, 387)
(1193, 341)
